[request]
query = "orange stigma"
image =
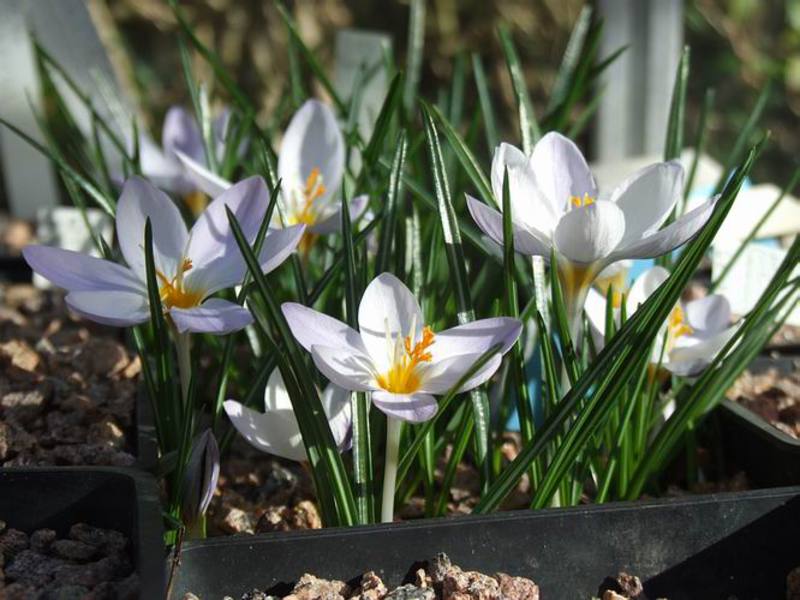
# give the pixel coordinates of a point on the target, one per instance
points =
(402, 377)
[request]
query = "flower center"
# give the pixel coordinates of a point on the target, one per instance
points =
(677, 324)
(172, 291)
(577, 201)
(306, 211)
(403, 376)
(196, 201)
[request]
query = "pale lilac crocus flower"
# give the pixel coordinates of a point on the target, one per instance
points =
(693, 335)
(398, 359)
(191, 266)
(556, 206)
(275, 431)
(181, 137)
(311, 165)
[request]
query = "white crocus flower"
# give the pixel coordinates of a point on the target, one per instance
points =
(276, 431)
(399, 359)
(556, 205)
(394, 354)
(693, 335)
(311, 165)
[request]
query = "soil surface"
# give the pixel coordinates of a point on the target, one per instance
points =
(258, 493)
(88, 564)
(440, 579)
(773, 393)
(67, 386)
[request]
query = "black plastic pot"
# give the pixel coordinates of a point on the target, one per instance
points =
(770, 457)
(118, 499)
(715, 546)
(14, 269)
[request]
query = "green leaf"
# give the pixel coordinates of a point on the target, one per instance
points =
(485, 99)
(674, 142)
(529, 126)
(389, 222)
(458, 277)
(468, 161)
(416, 43)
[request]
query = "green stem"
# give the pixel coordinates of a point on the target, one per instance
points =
(393, 428)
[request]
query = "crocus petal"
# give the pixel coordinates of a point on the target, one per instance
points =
(441, 376)
(491, 222)
(387, 309)
(709, 315)
(647, 198)
(529, 205)
(164, 171)
(336, 404)
(205, 180)
(672, 236)
(595, 308)
(140, 200)
(588, 234)
(333, 223)
(80, 272)
(476, 337)
(312, 140)
(217, 262)
(313, 328)
(349, 371)
(215, 316)
(274, 432)
(644, 287)
(689, 360)
(413, 408)
(110, 307)
(561, 171)
(181, 133)
(278, 245)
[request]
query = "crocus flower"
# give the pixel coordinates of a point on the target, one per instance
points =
(394, 355)
(191, 266)
(200, 478)
(556, 205)
(310, 165)
(693, 335)
(276, 431)
(180, 137)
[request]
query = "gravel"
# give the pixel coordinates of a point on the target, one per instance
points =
(90, 564)
(67, 387)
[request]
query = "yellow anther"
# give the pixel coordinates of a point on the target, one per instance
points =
(577, 201)
(402, 377)
(677, 323)
(312, 190)
(172, 291)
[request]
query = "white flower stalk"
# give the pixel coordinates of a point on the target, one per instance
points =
(275, 431)
(191, 266)
(556, 206)
(311, 164)
(397, 358)
(693, 335)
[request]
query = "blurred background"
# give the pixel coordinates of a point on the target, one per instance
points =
(737, 46)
